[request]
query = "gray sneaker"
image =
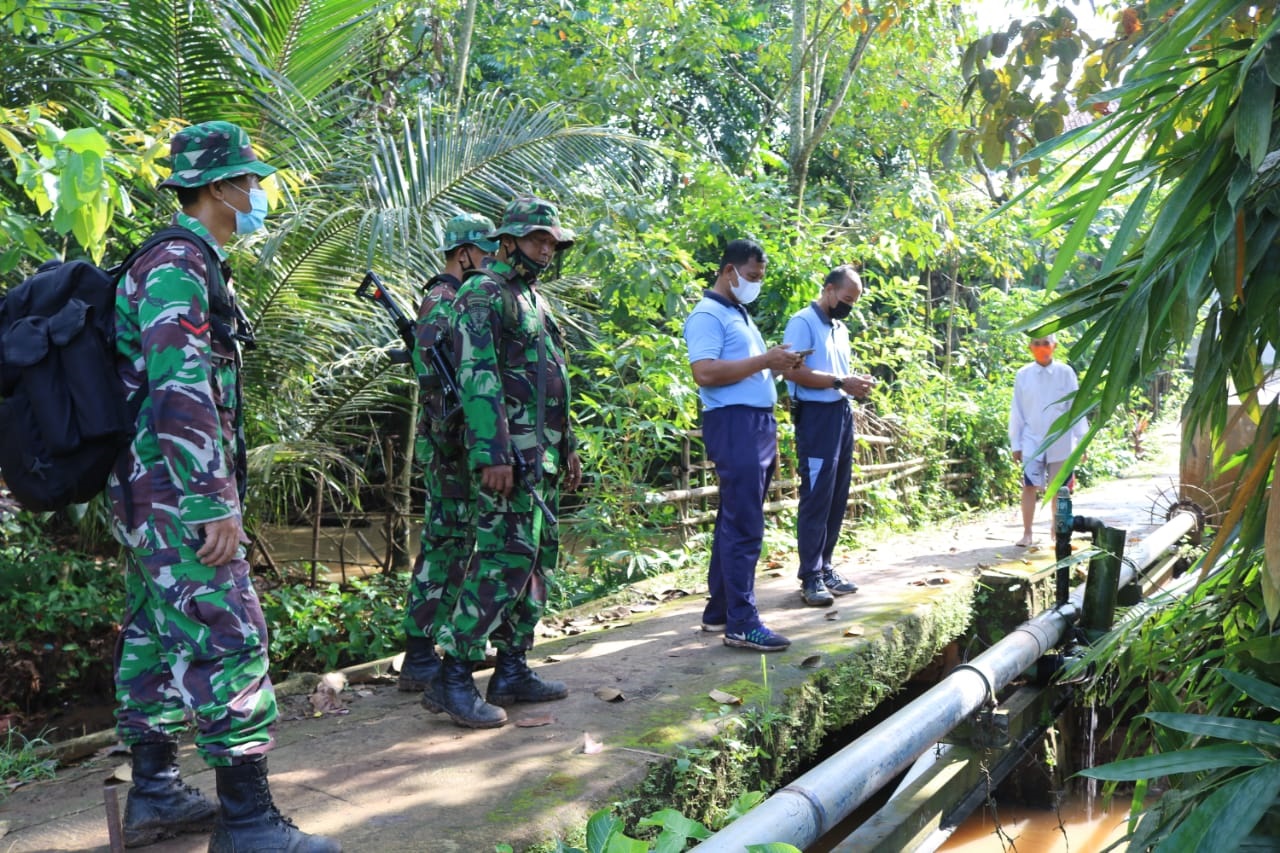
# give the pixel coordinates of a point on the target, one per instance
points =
(837, 585)
(814, 592)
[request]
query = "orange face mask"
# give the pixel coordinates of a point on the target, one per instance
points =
(1043, 353)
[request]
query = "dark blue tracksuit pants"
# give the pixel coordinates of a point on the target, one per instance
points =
(742, 442)
(824, 451)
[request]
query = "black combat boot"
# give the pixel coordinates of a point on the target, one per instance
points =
(251, 823)
(160, 805)
(421, 666)
(457, 696)
(512, 681)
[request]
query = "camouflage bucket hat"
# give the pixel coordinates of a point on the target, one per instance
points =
(533, 214)
(469, 229)
(212, 151)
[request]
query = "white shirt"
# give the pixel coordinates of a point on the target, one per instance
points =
(1040, 396)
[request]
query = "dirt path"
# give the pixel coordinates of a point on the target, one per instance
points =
(385, 775)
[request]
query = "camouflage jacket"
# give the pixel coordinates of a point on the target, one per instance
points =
(181, 464)
(495, 348)
(435, 323)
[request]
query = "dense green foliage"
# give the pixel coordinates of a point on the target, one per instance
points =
(60, 612)
(1184, 157)
(883, 133)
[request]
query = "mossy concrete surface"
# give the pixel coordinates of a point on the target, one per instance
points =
(639, 730)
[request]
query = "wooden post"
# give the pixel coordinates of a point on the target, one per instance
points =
(315, 530)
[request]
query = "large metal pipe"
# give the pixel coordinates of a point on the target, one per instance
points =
(813, 804)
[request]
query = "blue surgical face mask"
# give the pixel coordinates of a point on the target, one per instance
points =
(247, 223)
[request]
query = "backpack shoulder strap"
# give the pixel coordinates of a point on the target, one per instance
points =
(219, 296)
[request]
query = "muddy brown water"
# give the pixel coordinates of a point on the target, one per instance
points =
(1079, 825)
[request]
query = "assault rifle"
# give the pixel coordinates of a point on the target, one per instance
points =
(520, 469)
(375, 291)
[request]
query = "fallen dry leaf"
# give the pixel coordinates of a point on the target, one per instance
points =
(534, 722)
(397, 662)
(722, 698)
(325, 699)
(811, 662)
(335, 681)
(610, 694)
(591, 746)
(122, 773)
(854, 631)
(830, 615)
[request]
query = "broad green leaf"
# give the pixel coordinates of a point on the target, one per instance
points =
(1227, 728)
(600, 826)
(619, 843)
(773, 847)
(1253, 116)
(86, 141)
(1128, 227)
(1270, 574)
(1228, 815)
(1181, 761)
(1264, 649)
(1069, 247)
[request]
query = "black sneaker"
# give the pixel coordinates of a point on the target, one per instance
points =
(761, 639)
(837, 585)
(814, 591)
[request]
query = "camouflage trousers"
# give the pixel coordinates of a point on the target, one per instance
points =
(447, 537)
(504, 592)
(193, 646)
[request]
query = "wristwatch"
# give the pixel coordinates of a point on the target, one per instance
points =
(837, 383)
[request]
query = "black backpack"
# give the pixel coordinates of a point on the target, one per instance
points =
(65, 418)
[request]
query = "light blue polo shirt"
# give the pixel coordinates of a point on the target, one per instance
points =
(716, 328)
(811, 328)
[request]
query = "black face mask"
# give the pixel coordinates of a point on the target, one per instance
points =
(464, 261)
(840, 310)
(525, 266)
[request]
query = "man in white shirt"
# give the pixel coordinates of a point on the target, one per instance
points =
(1042, 392)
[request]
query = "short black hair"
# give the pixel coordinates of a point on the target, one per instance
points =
(188, 196)
(741, 251)
(842, 273)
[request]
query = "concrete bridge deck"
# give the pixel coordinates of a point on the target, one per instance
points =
(388, 776)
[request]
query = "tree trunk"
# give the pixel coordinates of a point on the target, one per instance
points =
(466, 27)
(796, 100)
(805, 136)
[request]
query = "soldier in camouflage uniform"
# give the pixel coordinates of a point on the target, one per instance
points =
(449, 520)
(515, 397)
(194, 642)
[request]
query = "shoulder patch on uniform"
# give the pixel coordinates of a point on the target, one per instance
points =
(478, 313)
(199, 330)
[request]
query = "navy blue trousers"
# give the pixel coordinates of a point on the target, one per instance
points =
(742, 442)
(824, 451)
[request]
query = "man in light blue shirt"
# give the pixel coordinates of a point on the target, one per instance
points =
(734, 374)
(820, 389)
